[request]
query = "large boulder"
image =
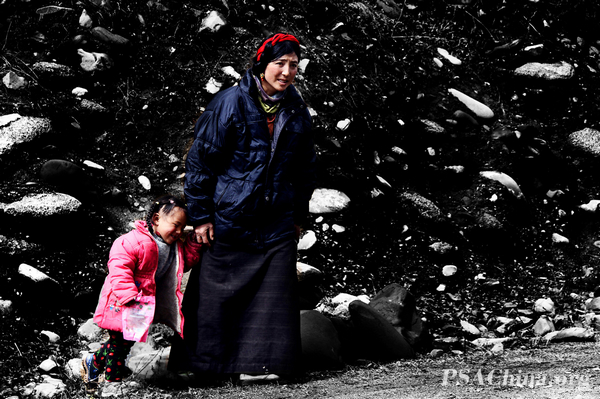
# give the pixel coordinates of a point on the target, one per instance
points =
(321, 345)
(398, 306)
(379, 340)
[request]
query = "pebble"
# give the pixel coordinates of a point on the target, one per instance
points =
(478, 108)
(506, 180)
(47, 365)
(145, 182)
(307, 272)
(453, 60)
(544, 305)
(214, 21)
(212, 86)
(470, 328)
(93, 165)
(16, 130)
(338, 229)
(587, 140)
(92, 61)
(326, 200)
(43, 205)
(33, 274)
(85, 21)
(559, 239)
(52, 337)
(449, 270)
(229, 70)
(557, 71)
(6, 306)
(591, 206)
(79, 91)
(343, 124)
(307, 240)
(13, 81)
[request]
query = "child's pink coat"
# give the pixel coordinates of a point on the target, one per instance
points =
(132, 263)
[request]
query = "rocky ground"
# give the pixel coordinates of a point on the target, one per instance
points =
(391, 135)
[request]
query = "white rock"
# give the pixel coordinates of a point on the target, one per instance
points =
(305, 271)
(302, 64)
(6, 306)
(383, 181)
(498, 348)
(453, 60)
(338, 229)
(212, 86)
(90, 331)
(79, 91)
(483, 342)
(557, 71)
(398, 150)
(52, 337)
(213, 21)
(478, 108)
(15, 130)
(470, 328)
(506, 180)
(13, 81)
(7, 119)
(455, 168)
(307, 240)
(150, 365)
(438, 62)
(229, 70)
(93, 165)
(591, 206)
(587, 140)
(558, 239)
(50, 388)
(344, 299)
(441, 288)
(33, 274)
(326, 200)
(84, 20)
(544, 305)
(42, 205)
(92, 61)
(145, 182)
(47, 365)
(73, 369)
(449, 270)
(343, 124)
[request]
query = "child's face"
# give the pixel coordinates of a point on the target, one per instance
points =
(169, 227)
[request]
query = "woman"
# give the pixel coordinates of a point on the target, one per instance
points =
(249, 177)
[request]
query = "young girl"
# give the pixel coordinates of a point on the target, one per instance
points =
(149, 260)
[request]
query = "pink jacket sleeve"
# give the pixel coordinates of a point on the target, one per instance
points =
(121, 265)
(191, 252)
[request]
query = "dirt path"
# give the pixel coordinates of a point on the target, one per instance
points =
(566, 370)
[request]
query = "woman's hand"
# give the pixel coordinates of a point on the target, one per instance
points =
(205, 233)
(298, 231)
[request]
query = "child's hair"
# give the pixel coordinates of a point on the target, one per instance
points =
(166, 204)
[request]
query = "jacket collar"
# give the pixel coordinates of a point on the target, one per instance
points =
(248, 85)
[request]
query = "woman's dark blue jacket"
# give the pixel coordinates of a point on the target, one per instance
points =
(251, 187)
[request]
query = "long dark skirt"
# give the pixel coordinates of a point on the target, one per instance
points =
(241, 313)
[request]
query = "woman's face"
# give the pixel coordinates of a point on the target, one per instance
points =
(280, 73)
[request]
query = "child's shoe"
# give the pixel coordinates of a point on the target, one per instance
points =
(89, 373)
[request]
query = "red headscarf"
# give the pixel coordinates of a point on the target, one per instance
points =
(280, 37)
